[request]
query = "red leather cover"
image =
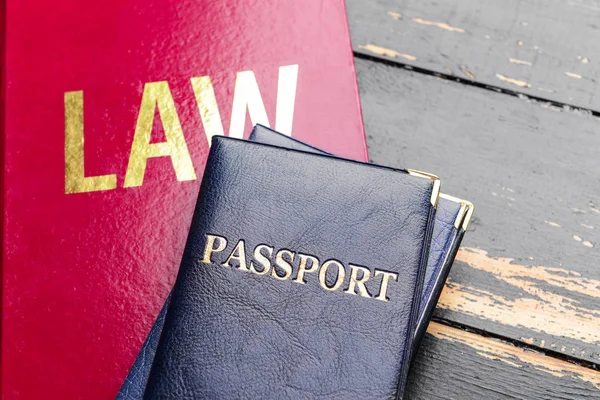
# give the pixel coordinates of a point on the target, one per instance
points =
(107, 110)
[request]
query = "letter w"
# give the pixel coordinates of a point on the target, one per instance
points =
(247, 96)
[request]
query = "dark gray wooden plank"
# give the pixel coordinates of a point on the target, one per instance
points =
(454, 364)
(529, 268)
(546, 48)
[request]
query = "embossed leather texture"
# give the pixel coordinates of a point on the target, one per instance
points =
(262, 134)
(444, 243)
(444, 246)
(231, 333)
(444, 234)
(108, 108)
(135, 383)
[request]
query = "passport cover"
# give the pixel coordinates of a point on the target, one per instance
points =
(301, 277)
(135, 383)
(451, 221)
(108, 110)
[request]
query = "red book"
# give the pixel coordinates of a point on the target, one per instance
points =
(108, 108)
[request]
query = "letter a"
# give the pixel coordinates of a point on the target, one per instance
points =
(158, 94)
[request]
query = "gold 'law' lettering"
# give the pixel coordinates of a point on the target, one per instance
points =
(75, 179)
(158, 95)
(246, 96)
(286, 98)
(208, 107)
(284, 266)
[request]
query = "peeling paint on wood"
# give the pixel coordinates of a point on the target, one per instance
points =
(441, 25)
(386, 52)
(555, 37)
(395, 15)
(583, 60)
(541, 310)
(513, 81)
(467, 73)
(454, 364)
(541, 89)
(528, 340)
(520, 62)
(482, 142)
(514, 356)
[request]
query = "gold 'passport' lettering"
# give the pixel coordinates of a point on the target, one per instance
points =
(286, 264)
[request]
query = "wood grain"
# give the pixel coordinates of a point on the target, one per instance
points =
(541, 309)
(454, 364)
(538, 47)
(529, 269)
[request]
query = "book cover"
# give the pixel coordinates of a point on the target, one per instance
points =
(107, 114)
(451, 221)
(301, 277)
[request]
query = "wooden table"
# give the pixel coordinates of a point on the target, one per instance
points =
(501, 100)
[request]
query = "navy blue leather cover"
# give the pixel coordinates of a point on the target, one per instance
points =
(445, 242)
(444, 234)
(444, 246)
(231, 333)
(262, 134)
(135, 383)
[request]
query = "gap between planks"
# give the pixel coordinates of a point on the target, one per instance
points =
(554, 316)
(541, 310)
(362, 54)
(525, 345)
(514, 356)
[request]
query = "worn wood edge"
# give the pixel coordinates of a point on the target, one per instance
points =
(529, 48)
(483, 281)
(374, 53)
(517, 357)
(522, 342)
(540, 311)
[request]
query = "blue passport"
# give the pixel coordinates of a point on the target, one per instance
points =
(301, 278)
(451, 221)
